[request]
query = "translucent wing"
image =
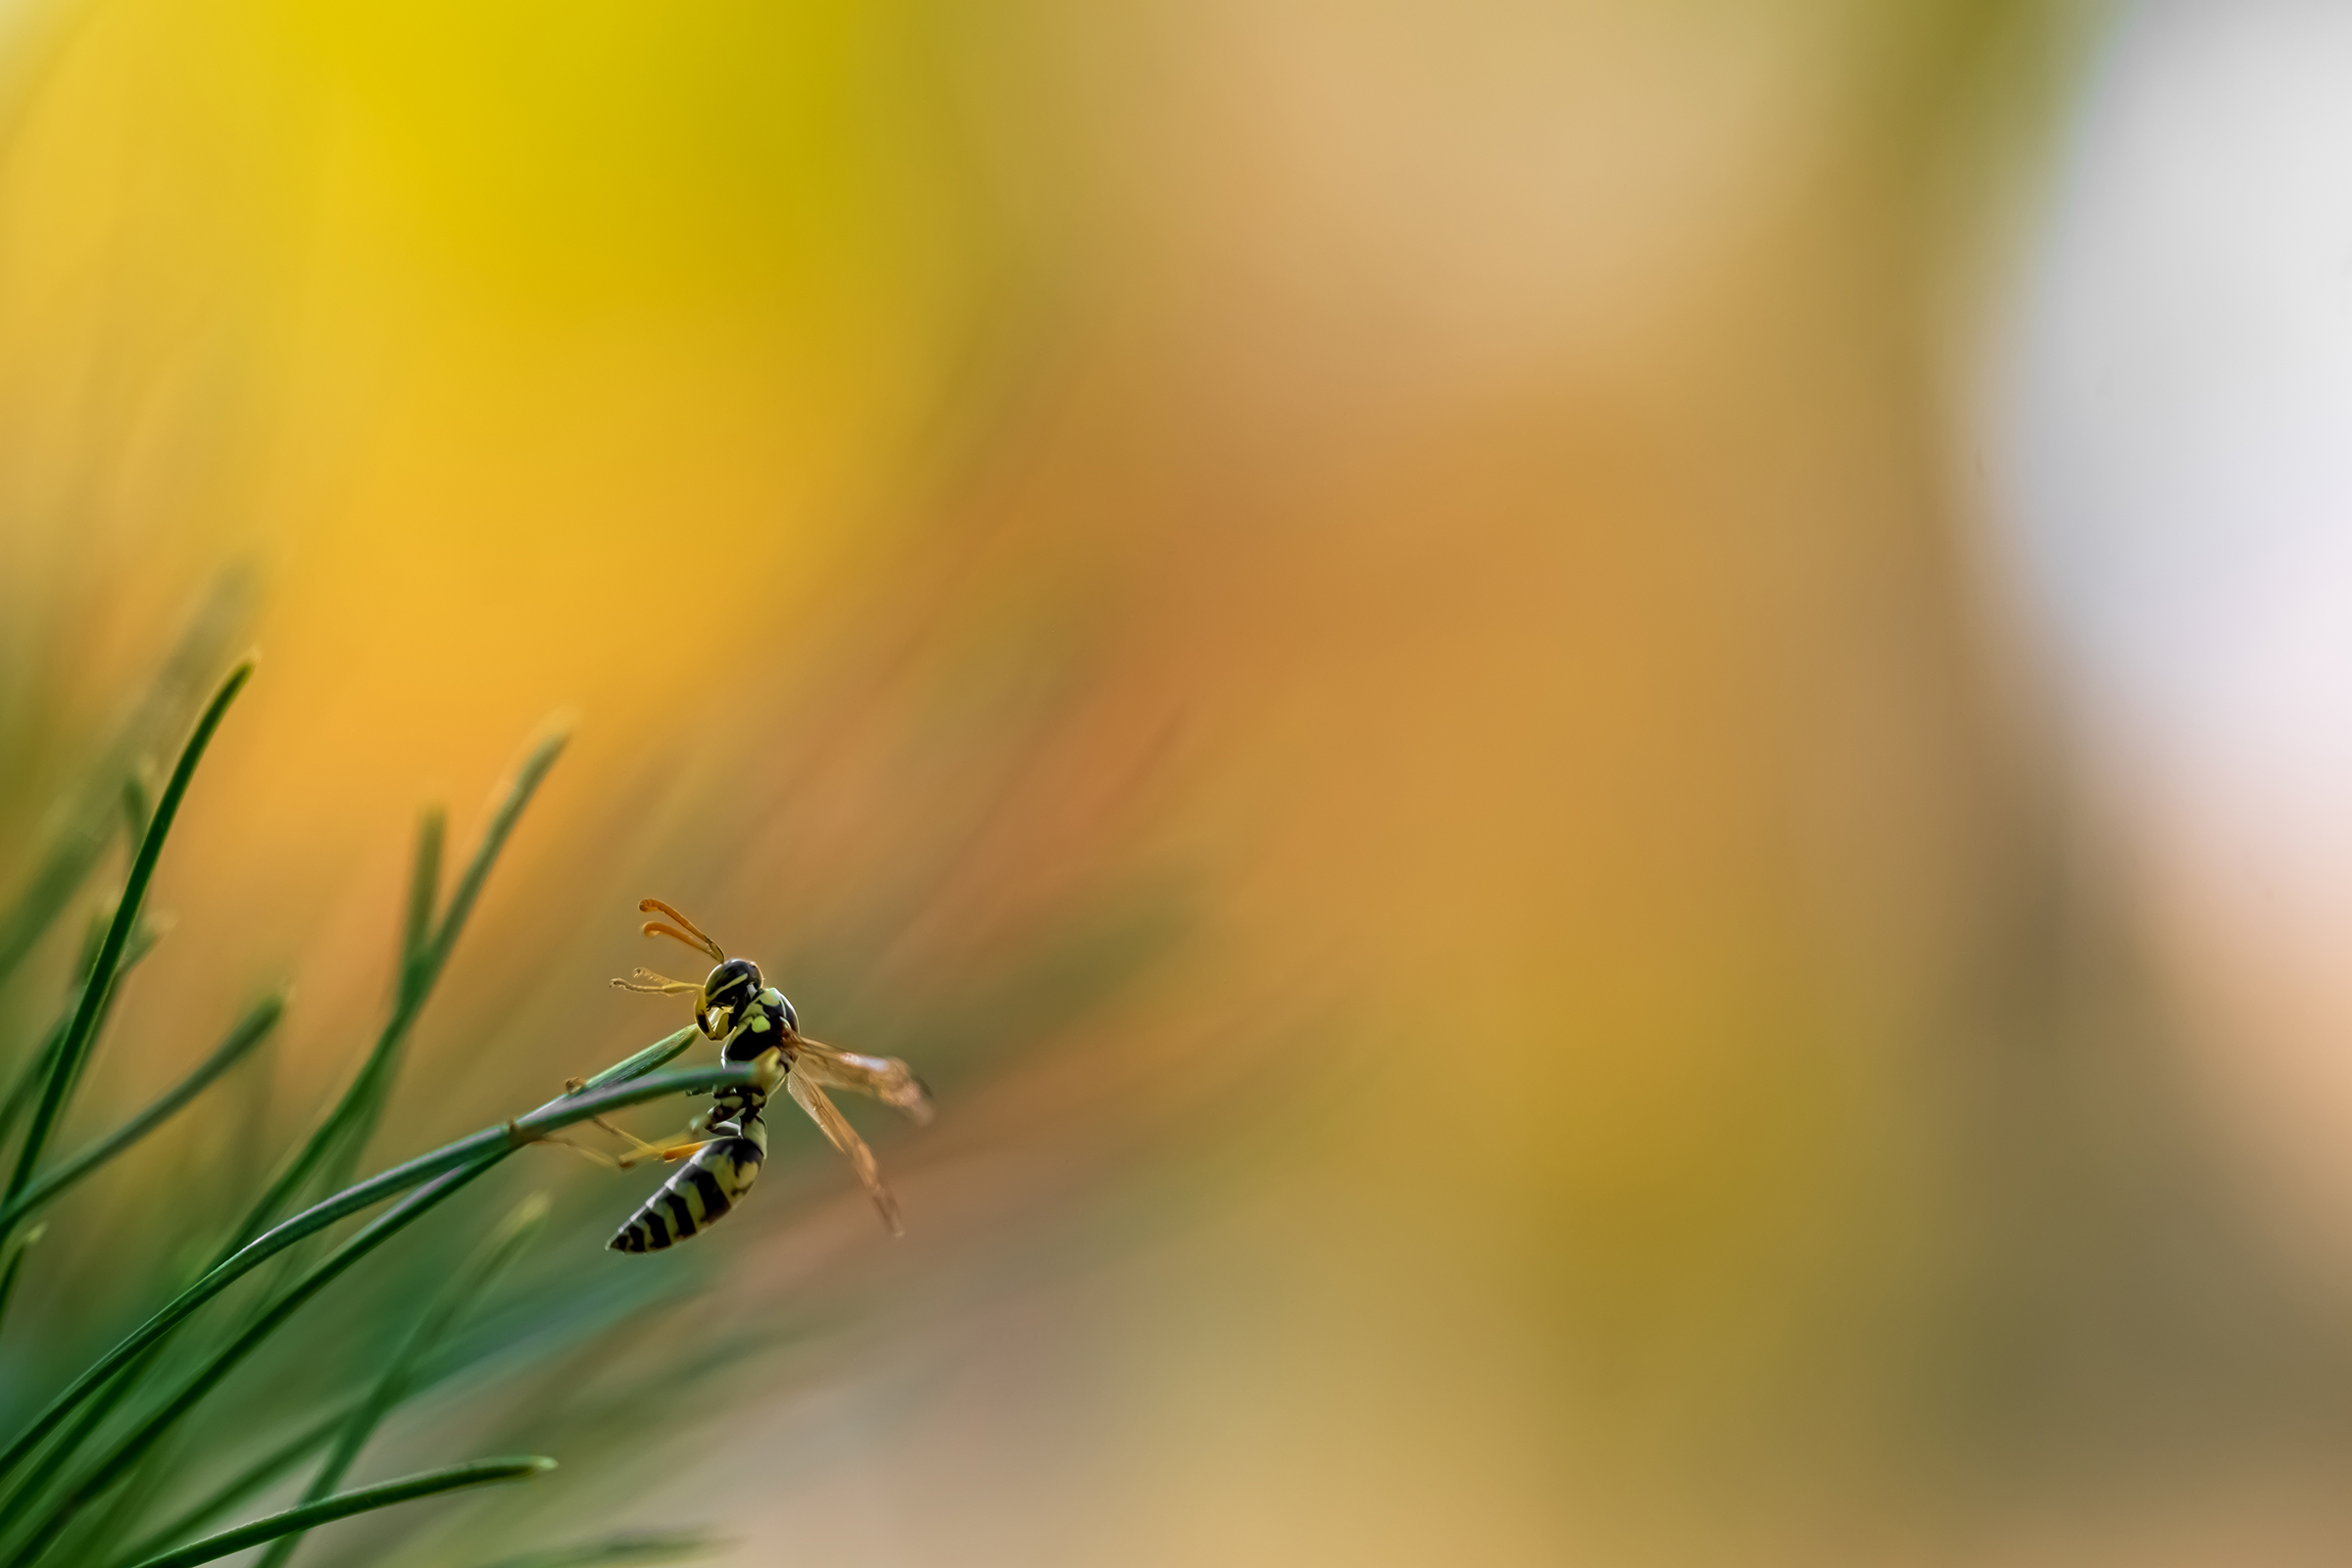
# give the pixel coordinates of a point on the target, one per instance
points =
(844, 1137)
(886, 1078)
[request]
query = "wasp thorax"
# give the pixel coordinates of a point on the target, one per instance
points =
(726, 996)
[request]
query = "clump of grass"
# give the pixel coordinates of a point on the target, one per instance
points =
(102, 1470)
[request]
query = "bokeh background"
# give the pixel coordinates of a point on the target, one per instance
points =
(1602, 749)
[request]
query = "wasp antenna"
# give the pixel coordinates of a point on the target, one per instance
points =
(655, 928)
(654, 984)
(694, 939)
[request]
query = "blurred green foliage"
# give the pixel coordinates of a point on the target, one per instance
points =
(234, 1386)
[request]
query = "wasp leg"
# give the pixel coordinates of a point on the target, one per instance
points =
(640, 1150)
(595, 1156)
(674, 1150)
(640, 1147)
(696, 1135)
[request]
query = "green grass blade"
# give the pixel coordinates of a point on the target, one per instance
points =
(425, 897)
(134, 809)
(603, 1096)
(420, 975)
(469, 888)
(100, 1476)
(342, 1135)
(456, 1300)
(429, 949)
(142, 943)
(245, 1484)
(250, 1031)
(89, 821)
(333, 1131)
(66, 1066)
(52, 886)
(37, 1070)
(42, 1479)
(618, 1551)
(559, 1323)
(17, 1250)
(660, 1054)
(384, 1494)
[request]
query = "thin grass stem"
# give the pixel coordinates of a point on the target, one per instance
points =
(17, 1248)
(29, 1080)
(342, 1133)
(244, 1483)
(249, 1032)
(494, 839)
(466, 1287)
(68, 861)
(424, 895)
(37, 1068)
(365, 1499)
(101, 1475)
(66, 1067)
(79, 846)
(604, 1094)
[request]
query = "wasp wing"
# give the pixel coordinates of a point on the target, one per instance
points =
(844, 1137)
(884, 1078)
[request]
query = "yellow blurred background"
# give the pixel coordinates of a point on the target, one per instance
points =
(1364, 618)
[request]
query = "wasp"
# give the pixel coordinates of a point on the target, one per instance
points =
(725, 1146)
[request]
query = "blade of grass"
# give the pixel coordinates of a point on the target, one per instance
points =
(287, 1456)
(558, 1322)
(66, 1067)
(45, 1478)
(244, 1483)
(36, 1070)
(142, 943)
(99, 1477)
(134, 809)
(105, 1388)
(423, 969)
(96, 1534)
(424, 895)
(50, 889)
(333, 1131)
(249, 1032)
(660, 1054)
(365, 1499)
(17, 1250)
(342, 1135)
(614, 1552)
(79, 846)
(240, 1041)
(494, 839)
(454, 1300)
(34, 1074)
(607, 1092)
(16, 1496)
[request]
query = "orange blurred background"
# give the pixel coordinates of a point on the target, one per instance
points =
(1364, 619)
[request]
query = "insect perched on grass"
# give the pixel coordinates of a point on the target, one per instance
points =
(724, 1146)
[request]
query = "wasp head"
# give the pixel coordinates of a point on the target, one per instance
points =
(725, 999)
(727, 996)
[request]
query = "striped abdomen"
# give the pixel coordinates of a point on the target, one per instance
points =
(704, 1188)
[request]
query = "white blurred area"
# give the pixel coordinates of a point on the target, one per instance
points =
(2172, 452)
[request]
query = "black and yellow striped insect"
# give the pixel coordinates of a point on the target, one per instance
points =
(725, 1146)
